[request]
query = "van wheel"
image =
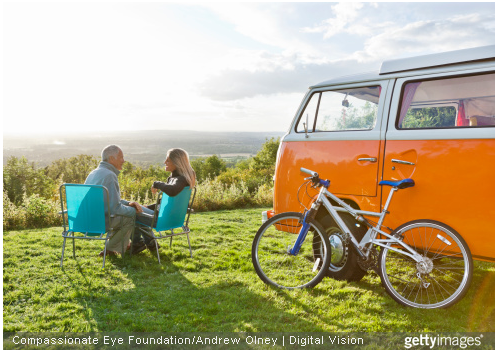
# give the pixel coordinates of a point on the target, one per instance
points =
(344, 261)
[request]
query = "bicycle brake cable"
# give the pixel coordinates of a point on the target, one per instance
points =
(298, 194)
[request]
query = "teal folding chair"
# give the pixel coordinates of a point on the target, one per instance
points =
(172, 213)
(85, 211)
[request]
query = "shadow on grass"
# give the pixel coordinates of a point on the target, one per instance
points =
(161, 298)
(217, 290)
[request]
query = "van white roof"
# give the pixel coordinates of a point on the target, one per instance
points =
(438, 59)
(483, 53)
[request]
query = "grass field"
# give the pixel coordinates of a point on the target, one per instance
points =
(217, 290)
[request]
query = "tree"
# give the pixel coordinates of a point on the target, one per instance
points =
(20, 177)
(213, 166)
(362, 118)
(267, 156)
(72, 170)
(430, 117)
(210, 167)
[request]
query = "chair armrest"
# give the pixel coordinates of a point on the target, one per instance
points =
(150, 216)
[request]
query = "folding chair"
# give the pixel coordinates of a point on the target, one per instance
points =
(172, 213)
(86, 211)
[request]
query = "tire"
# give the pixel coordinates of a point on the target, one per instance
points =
(443, 276)
(275, 266)
(344, 261)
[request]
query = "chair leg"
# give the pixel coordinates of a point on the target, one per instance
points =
(156, 248)
(63, 248)
(104, 253)
(170, 245)
(73, 247)
(190, 251)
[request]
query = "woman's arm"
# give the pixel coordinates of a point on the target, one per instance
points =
(172, 187)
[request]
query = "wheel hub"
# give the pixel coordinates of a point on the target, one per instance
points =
(338, 247)
(425, 265)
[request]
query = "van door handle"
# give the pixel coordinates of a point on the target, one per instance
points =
(373, 160)
(402, 162)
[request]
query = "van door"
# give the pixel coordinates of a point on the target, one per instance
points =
(337, 133)
(441, 134)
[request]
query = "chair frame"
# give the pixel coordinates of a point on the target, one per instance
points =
(66, 234)
(185, 227)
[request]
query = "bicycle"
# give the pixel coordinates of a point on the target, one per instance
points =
(422, 263)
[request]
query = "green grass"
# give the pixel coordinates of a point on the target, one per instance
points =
(217, 290)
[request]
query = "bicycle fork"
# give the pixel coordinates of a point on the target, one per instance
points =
(302, 235)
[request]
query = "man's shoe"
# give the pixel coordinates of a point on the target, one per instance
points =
(138, 248)
(151, 246)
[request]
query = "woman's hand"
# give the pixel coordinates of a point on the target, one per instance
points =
(136, 206)
(154, 190)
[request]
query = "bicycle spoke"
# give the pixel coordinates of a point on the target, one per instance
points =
(272, 260)
(442, 273)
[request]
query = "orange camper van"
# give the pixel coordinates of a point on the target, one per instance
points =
(429, 118)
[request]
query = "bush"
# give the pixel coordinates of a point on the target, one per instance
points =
(33, 212)
(215, 195)
(41, 212)
(13, 216)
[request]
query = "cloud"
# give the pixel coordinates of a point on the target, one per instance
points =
(429, 36)
(239, 84)
(273, 73)
(345, 14)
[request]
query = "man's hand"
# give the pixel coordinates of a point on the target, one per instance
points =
(136, 206)
(154, 190)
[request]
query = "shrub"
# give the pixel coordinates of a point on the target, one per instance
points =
(33, 212)
(41, 212)
(215, 195)
(13, 217)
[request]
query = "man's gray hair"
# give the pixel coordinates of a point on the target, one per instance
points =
(110, 151)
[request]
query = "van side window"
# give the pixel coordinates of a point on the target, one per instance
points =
(341, 110)
(308, 116)
(448, 103)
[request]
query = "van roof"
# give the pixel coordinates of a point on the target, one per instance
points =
(438, 59)
(483, 53)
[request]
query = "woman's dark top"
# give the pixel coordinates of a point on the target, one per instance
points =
(175, 184)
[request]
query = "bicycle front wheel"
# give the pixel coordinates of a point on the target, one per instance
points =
(273, 262)
(443, 275)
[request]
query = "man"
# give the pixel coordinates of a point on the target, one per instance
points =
(124, 212)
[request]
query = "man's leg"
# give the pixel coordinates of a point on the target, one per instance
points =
(123, 228)
(142, 233)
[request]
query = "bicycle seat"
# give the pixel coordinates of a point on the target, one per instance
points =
(399, 184)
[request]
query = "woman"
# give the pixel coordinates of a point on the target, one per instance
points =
(182, 175)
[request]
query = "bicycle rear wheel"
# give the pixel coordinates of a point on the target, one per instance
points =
(271, 258)
(442, 277)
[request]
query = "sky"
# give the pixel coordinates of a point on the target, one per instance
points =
(93, 66)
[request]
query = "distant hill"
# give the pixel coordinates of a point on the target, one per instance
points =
(140, 147)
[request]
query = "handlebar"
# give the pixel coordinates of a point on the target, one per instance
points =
(315, 178)
(309, 172)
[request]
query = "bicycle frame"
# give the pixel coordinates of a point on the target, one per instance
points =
(370, 236)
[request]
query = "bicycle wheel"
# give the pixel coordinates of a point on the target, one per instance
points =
(443, 275)
(271, 258)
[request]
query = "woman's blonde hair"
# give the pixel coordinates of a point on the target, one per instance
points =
(180, 158)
